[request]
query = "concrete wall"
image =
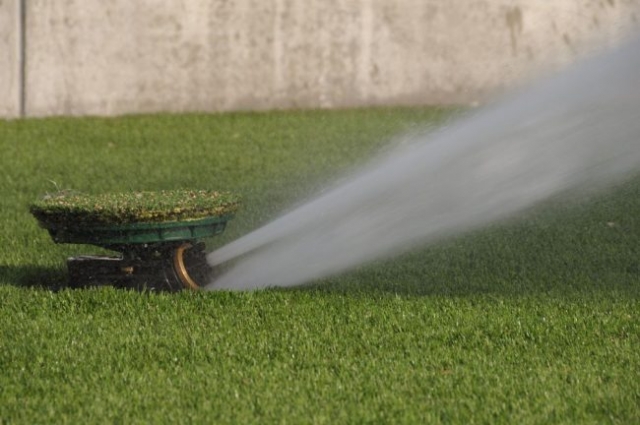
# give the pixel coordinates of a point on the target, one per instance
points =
(121, 56)
(9, 58)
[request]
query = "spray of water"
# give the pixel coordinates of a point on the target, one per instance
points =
(579, 128)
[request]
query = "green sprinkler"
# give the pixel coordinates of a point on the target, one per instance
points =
(158, 235)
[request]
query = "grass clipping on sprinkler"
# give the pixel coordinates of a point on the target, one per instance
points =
(71, 209)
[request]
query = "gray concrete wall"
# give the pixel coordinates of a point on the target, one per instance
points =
(9, 58)
(109, 57)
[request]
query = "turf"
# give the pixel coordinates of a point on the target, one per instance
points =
(531, 321)
(71, 209)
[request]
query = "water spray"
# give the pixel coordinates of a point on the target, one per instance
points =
(577, 129)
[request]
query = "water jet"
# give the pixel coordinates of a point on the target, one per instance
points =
(573, 132)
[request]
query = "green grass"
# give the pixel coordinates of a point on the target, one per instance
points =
(531, 321)
(72, 209)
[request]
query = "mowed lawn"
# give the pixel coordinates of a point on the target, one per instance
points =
(532, 321)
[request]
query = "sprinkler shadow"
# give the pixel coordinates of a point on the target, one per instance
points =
(33, 276)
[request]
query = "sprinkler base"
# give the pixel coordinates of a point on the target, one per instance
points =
(156, 267)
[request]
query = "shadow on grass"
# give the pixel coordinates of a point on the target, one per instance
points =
(33, 276)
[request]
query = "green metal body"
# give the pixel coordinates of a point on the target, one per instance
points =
(140, 233)
(154, 256)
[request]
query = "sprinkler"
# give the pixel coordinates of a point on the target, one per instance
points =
(158, 236)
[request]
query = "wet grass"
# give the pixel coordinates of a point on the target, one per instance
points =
(532, 321)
